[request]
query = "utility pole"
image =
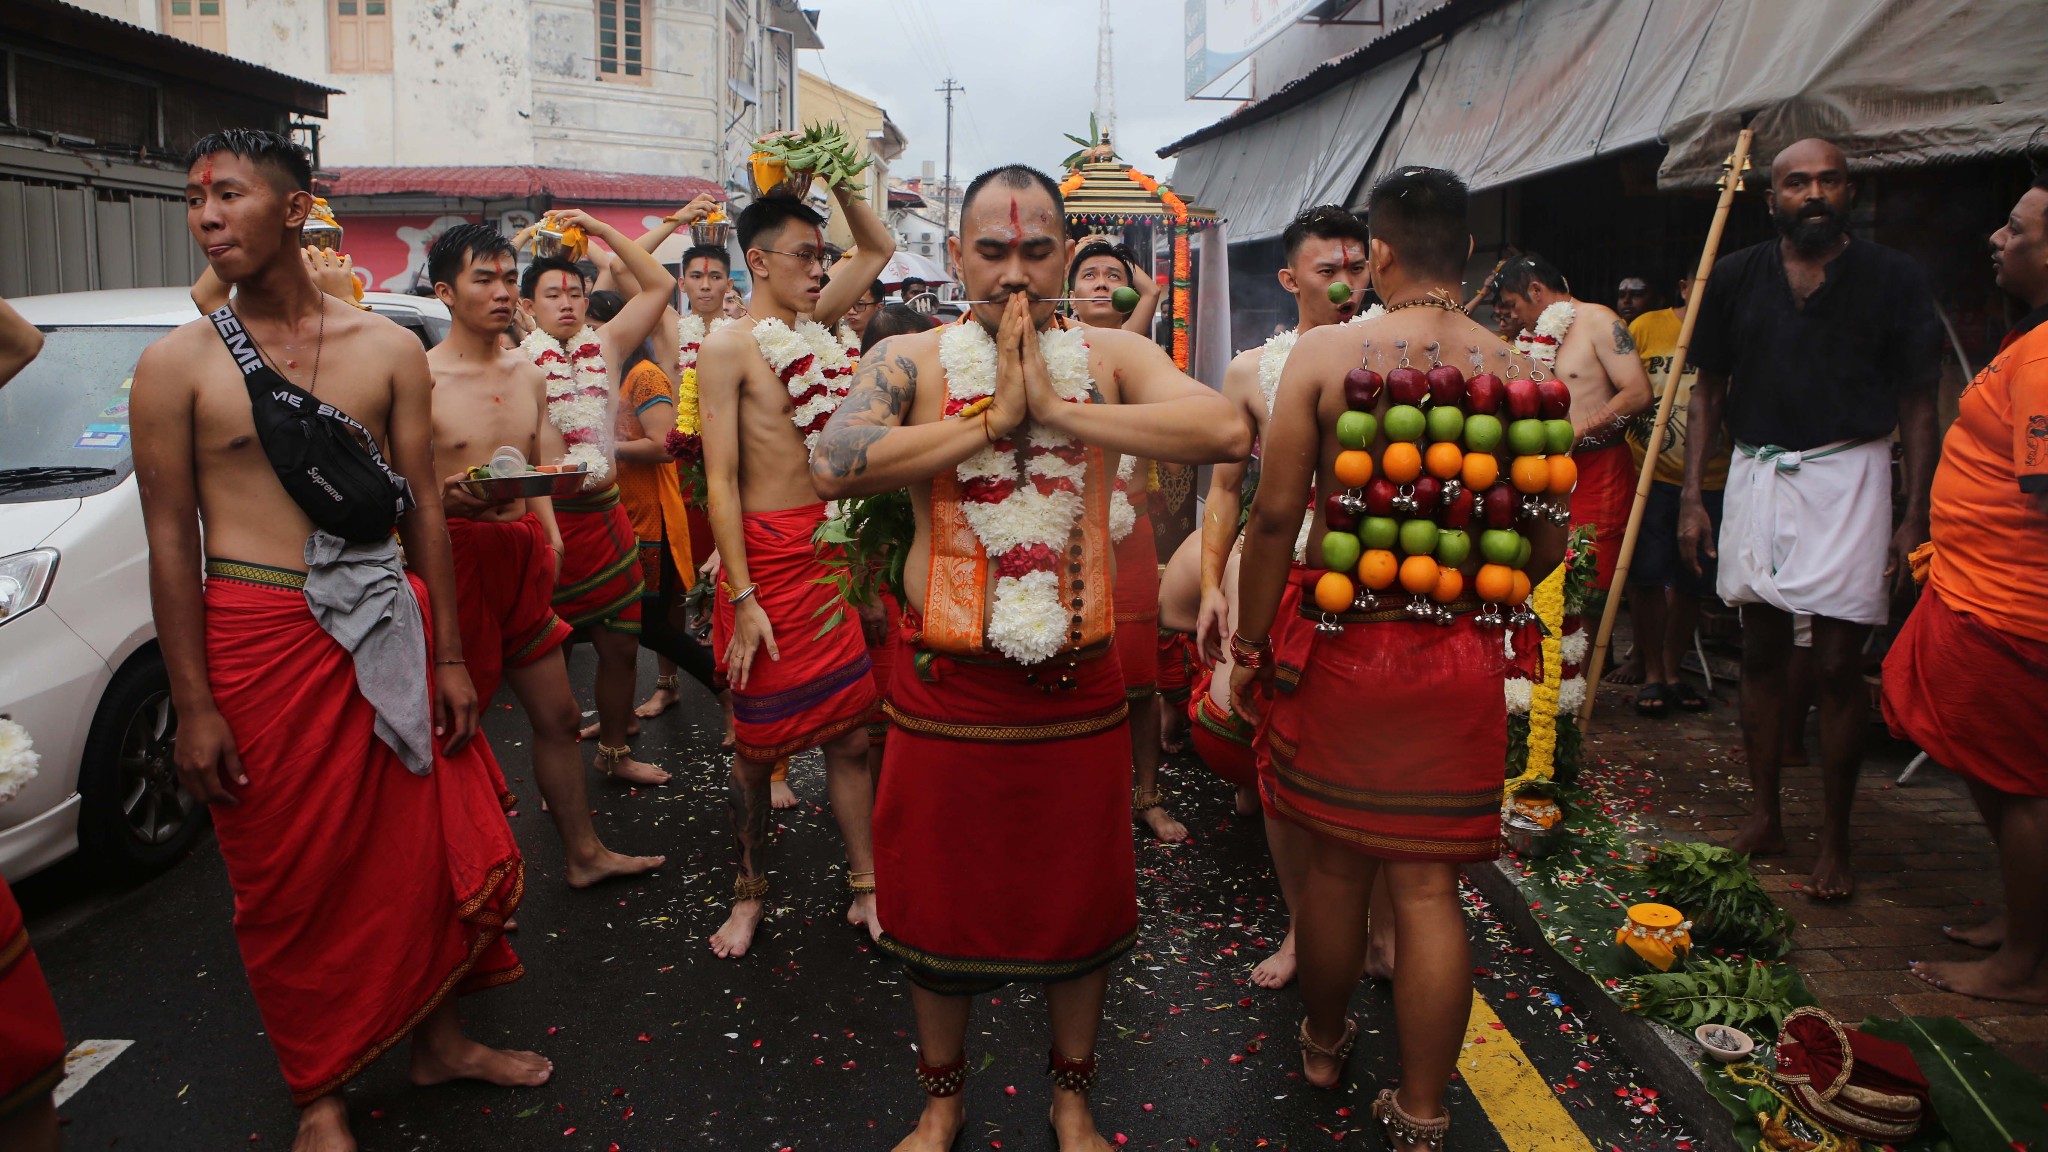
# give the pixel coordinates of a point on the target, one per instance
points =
(946, 193)
(1105, 76)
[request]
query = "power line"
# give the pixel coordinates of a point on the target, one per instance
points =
(946, 191)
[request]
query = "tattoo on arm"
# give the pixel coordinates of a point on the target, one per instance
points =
(1623, 342)
(845, 452)
(876, 403)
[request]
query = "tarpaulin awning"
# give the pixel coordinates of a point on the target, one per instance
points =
(1260, 178)
(1894, 84)
(565, 186)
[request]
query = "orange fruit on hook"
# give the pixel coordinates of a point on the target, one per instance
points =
(1401, 462)
(1378, 569)
(1353, 468)
(1564, 475)
(1450, 584)
(1495, 583)
(1480, 470)
(1529, 474)
(1333, 592)
(1419, 574)
(1522, 589)
(1443, 460)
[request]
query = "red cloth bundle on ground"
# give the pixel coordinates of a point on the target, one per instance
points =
(1970, 696)
(1605, 493)
(821, 686)
(1003, 823)
(1137, 609)
(1222, 740)
(31, 1036)
(1394, 740)
(364, 895)
(600, 582)
(1866, 1086)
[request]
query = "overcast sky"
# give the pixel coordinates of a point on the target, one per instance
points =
(1029, 70)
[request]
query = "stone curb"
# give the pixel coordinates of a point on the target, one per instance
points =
(1664, 1057)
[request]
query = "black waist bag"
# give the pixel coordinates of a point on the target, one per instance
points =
(328, 463)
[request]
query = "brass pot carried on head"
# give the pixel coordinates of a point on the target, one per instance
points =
(771, 177)
(321, 230)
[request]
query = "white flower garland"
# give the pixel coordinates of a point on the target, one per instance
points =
(579, 397)
(1123, 515)
(1521, 694)
(1542, 344)
(1023, 520)
(18, 760)
(1272, 362)
(812, 363)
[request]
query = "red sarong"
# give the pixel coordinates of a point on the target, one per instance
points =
(1291, 636)
(1393, 742)
(1176, 665)
(600, 582)
(1222, 740)
(1003, 823)
(1606, 491)
(821, 686)
(1137, 609)
(882, 657)
(504, 592)
(31, 1036)
(364, 895)
(1970, 696)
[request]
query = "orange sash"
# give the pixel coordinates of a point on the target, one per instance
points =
(956, 597)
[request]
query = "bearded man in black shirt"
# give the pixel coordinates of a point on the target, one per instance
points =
(1814, 348)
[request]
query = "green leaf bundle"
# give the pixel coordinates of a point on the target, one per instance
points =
(824, 150)
(1753, 997)
(1716, 890)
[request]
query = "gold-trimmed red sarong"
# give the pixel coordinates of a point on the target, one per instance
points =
(364, 895)
(1137, 607)
(883, 658)
(600, 583)
(31, 1036)
(1605, 493)
(1392, 742)
(821, 687)
(1002, 824)
(1222, 740)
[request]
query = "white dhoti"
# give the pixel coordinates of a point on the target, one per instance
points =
(1809, 532)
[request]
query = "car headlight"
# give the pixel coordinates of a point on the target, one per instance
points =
(25, 580)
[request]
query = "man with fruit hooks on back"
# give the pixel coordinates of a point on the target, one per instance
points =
(1389, 752)
(1327, 274)
(1002, 830)
(1587, 348)
(1099, 272)
(1815, 347)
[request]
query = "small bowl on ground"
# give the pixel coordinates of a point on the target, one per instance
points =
(1724, 1043)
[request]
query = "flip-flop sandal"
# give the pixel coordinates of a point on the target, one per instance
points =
(1650, 701)
(1685, 698)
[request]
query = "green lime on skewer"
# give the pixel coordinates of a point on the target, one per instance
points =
(1340, 293)
(1124, 300)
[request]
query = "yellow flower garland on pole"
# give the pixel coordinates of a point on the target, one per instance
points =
(1548, 602)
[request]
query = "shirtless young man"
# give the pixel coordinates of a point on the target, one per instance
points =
(1324, 246)
(1407, 714)
(1101, 267)
(372, 868)
(599, 589)
(507, 554)
(1003, 825)
(1598, 361)
(812, 689)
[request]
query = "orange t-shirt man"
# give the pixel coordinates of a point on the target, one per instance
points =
(1989, 529)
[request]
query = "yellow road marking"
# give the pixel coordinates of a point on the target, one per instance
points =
(1518, 1101)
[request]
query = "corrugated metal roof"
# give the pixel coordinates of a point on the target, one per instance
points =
(120, 41)
(519, 182)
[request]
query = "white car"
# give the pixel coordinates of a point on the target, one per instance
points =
(79, 666)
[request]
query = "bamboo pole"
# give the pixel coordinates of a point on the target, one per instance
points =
(1731, 181)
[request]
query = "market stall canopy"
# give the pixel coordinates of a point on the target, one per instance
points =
(1111, 192)
(1311, 154)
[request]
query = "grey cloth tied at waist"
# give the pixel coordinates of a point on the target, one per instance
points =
(359, 595)
(1789, 459)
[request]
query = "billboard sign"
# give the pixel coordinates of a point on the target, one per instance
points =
(1221, 34)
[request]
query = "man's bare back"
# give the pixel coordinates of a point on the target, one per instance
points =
(246, 514)
(481, 405)
(774, 465)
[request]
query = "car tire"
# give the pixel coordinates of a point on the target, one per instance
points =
(135, 820)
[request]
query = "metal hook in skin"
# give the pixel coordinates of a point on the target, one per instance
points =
(1435, 350)
(1402, 347)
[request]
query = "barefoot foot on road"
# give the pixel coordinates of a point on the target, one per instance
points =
(662, 700)
(1277, 970)
(469, 1060)
(323, 1127)
(589, 731)
(1073, 1125)
(1984, 979)
(938, 1127)
(1759, 837)
(631, 771)
(1628, 672)
(1832, 878)
(1165, 828)
(1989, 934)
(736, 935)
(609, 865)
(781, 795)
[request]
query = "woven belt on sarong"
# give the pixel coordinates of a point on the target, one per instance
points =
(1789, 459)
(262, 574)
(1398, 615)
(603, 500)
(1010, 733)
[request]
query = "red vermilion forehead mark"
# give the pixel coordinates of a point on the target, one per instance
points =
(206, 173)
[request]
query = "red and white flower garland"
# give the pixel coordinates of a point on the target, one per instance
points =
(1123, 515)
(1542, 344)
(579, 397)
(1022, 520)
(812, 363)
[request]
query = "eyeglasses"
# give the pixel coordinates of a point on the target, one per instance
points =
(823, 260)
(862, 305)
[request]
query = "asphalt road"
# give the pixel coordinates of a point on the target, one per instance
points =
(805, 1043)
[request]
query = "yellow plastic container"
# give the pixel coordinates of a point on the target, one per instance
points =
(1658, 933)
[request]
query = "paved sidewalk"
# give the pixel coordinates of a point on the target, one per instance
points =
(1923, 859)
